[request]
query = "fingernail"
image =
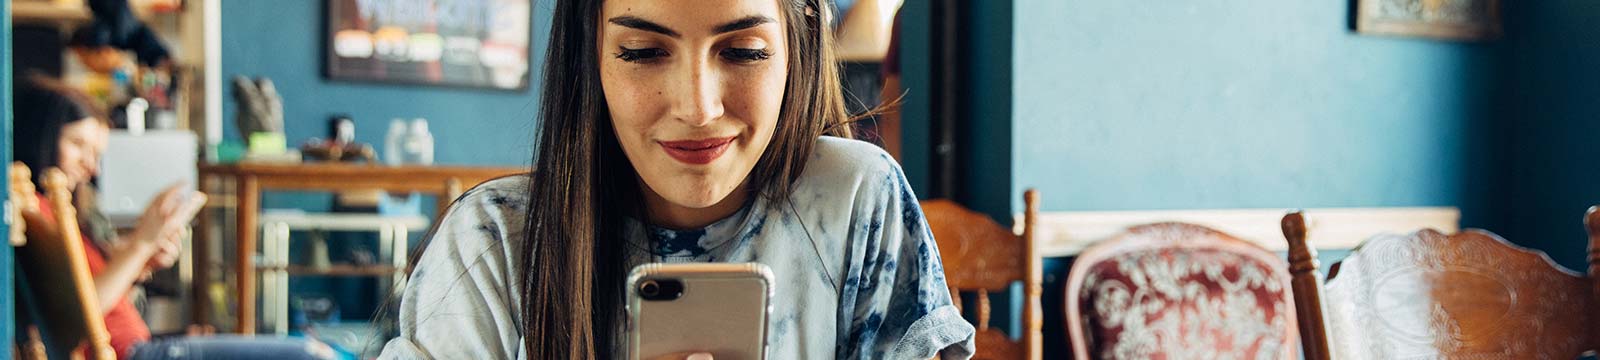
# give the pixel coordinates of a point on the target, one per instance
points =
(699, 356)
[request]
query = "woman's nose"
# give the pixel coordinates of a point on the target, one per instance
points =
(698, 97)
(91, 165)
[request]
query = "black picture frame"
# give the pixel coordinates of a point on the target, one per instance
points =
(480, 44)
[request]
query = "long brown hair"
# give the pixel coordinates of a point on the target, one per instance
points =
(44, 106)
(573, 258)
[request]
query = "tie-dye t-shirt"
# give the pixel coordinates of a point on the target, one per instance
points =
(857, 271)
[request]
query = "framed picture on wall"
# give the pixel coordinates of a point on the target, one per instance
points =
(1439, 19)
(464, 43)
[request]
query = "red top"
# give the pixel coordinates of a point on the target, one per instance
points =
(123, 322)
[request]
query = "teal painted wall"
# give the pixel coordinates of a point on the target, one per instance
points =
(8, 320)
(987, 179)
(1553, 49)
(282, 40)
(915, 107)
(1254, 104)
(989, 171)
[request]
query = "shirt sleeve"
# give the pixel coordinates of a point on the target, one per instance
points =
(894, 302)
(461, 300)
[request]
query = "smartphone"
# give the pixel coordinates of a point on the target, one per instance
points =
(717, 308)
(193, 201)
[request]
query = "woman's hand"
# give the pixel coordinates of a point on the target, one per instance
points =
(158, 230)
(685, 356)
(163, 224)
(167, 253)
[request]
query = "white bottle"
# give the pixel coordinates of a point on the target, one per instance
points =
(392, 151)
(419, 143)
(135, 114)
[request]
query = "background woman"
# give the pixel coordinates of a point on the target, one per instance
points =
(58, 127)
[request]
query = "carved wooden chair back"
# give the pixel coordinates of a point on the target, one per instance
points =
(57, 270)
(1429, 295)
(982, 256)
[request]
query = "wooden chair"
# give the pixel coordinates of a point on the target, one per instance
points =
(1469, 295)
(54, 262)
(1307, 288)
(1179, 291)
(29, 345)
(983, 256)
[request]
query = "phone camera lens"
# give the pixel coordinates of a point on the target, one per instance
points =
(661, 289)
(650, 289)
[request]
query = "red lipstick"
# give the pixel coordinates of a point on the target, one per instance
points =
(697, 152)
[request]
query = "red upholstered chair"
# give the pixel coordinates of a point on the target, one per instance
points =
(1179, 291)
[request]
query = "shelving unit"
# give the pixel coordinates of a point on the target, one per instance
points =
(276, 265)
(190, 29)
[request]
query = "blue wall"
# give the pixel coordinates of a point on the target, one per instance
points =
(989, 170)
(915, 107)
(987, 178)
(282, 40)
(1275, 104)
(7, 320)
(1553, 49)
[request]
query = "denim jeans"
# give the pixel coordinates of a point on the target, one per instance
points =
(231, 347)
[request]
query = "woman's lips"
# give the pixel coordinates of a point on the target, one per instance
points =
(74, 174)
(697, 152)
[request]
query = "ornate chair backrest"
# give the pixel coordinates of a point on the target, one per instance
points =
(1466, 295)
(981, 256)
(1179, 291)
(56, 267)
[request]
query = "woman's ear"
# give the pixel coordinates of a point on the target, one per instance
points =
(814, 7)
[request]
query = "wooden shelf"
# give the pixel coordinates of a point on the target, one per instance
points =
(47, 12)
(337, 270)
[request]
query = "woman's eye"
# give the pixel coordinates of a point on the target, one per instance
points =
(740, 55)
(640, 55)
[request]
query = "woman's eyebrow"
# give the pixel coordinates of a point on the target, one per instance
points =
(731, 26)
(741, 24)
(642, 24)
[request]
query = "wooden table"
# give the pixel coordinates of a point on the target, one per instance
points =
(444, 182)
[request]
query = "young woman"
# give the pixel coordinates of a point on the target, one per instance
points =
(58, 127)
(685, 131)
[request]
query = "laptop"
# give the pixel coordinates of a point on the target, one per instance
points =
(135, 168)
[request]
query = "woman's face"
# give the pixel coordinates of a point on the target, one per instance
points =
(694, 89)
(78, 152)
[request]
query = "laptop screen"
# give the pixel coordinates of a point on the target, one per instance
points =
(135, 168)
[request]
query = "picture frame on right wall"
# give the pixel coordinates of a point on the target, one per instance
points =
(1465, 20)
